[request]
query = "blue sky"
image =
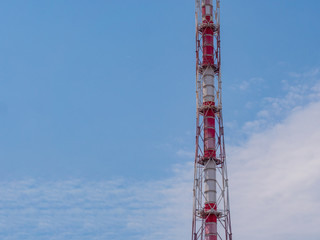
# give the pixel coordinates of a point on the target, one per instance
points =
(97, 117)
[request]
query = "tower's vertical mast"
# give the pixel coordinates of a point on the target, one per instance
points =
(211, 213)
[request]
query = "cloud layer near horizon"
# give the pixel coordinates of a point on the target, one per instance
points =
(274, 178)
(79, 210)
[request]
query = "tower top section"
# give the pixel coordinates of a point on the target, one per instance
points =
(208, 11)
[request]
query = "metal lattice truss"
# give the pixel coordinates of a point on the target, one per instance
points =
(222, 209)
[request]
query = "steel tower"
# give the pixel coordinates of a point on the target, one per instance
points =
(211, 211)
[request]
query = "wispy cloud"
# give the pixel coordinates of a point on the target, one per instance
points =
(249, 84)
(314, 72)
(297, 94)
(78, 209)
(185, 154)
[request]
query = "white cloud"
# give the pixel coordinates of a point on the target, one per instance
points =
(248, 84)
(275, 178)
(185, 154)
(79, 210)
(314, 72)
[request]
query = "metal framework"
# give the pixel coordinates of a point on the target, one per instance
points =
(211, 211)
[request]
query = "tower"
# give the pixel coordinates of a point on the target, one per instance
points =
(211, 211)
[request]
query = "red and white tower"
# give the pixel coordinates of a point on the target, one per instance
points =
(211, 212)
